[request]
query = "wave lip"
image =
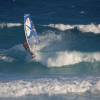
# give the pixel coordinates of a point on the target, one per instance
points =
(49, 86)
(63, 58)
(83, 28)
(10, 25)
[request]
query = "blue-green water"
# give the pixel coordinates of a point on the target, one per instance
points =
(67, 63)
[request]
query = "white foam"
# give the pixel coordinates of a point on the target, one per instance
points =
(50, 86)
(60, 59)
(6, 58)
(84, 28)
(48, 39)
(89, 28)
(10, 25)
(61, 27)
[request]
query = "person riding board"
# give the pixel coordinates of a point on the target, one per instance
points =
(31, 35)
(26, 46)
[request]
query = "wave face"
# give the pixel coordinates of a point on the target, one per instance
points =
(50, 86)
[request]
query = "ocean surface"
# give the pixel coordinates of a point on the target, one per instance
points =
(67, 62)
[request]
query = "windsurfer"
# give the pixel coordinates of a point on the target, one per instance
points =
(25, 45)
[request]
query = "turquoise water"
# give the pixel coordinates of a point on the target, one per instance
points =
(67, 63)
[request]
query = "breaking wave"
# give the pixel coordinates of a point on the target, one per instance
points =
(59, 59)
(51, 59)
(83, 28)
(49, 86)
(10, 25)
(52, 51)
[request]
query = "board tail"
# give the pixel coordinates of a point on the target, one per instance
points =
(30, 32)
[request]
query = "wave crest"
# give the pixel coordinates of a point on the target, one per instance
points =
(10, 25)
(83, 28)
(59, 59)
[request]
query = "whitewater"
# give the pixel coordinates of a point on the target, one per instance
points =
(67, 62)
(50, 86)
(93, 28)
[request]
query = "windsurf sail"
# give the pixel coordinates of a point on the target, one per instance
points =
(30, 32)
